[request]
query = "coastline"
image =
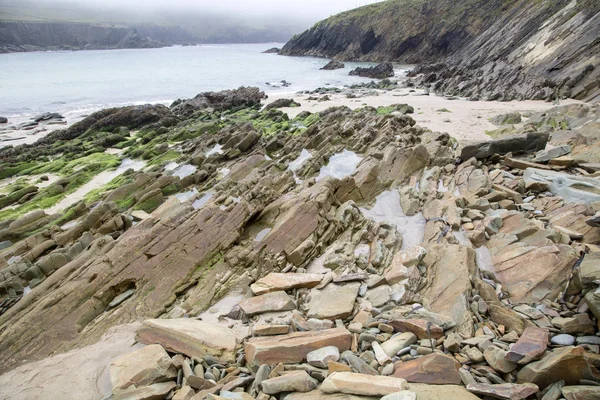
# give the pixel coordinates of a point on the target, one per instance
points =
(462, 119)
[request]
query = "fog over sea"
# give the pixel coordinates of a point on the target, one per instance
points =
(78, 82)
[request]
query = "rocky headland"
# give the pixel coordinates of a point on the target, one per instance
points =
(489, 50)
(344, 253)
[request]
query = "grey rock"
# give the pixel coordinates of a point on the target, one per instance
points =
(534, 141)
(547, 155)
(572, 188)
(563, 340)
(319, 358)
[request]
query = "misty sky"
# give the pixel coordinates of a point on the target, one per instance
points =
(316, 9)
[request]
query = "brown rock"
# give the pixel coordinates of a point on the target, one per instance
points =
(294, 347)
(495, 357)
(278, 281)
(270, 302)
(435, 368)
(441, 392)
(270, 330)
(143, 367)
(548, 269)
(333, 302)
(508, 318)
(199, 383)
(360, 384)
(334, 366)
(185, 393)
(449, 269)
(530, 346)
(158, 391)
(579, 323)
(191, 337)
(581, 392)
(296, 381)
(566, 363)
(421, 328)
(508, 391)
(319, 395)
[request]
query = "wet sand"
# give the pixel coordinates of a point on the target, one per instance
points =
(466, 121)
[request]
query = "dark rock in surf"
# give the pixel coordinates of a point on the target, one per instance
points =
(380, 71)
(272, 50)
(331, 65)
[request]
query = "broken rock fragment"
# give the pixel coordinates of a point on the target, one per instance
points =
(285, 281)
(530, 346)
(360, 384)
(508, 391)
(270, 302)
(296, 381)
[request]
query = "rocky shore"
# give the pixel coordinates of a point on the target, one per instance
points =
(341, 254)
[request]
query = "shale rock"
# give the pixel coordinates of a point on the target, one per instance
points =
(190, 337)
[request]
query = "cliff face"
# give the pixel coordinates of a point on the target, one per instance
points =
(28, 36)
(501, 50)
(409, 31)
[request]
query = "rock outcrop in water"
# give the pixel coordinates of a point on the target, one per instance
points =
(345, 253)
(489, 50)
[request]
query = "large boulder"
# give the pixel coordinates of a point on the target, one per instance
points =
(143, 367)
(331, 65)
(380, 71)
(572, 188)
(294, 347)
(531, 142)
(567, 363)
(333, 302)
(191, 337)
(220, 101)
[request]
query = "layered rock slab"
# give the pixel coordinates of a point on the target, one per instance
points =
(360, 384)
(433, 369)
(191, 337)
(333, 302)
(294, 347)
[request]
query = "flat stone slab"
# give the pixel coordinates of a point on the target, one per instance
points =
(143, 367)
(435, 369)
(191, 337)
(277, 281)
(294, 347)
(333, 302)
(508, 391)
(360, 384)
(530, 346)
(270, 302)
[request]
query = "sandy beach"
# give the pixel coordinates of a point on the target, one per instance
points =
(466, 120)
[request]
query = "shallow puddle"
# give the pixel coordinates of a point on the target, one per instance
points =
(203, 200)
(387, 209)
(215, 150)
(184, 170)
(340, 165)
(185, 196)
(262, 234)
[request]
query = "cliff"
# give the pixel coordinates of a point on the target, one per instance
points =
(501, 50)
(31, 36)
